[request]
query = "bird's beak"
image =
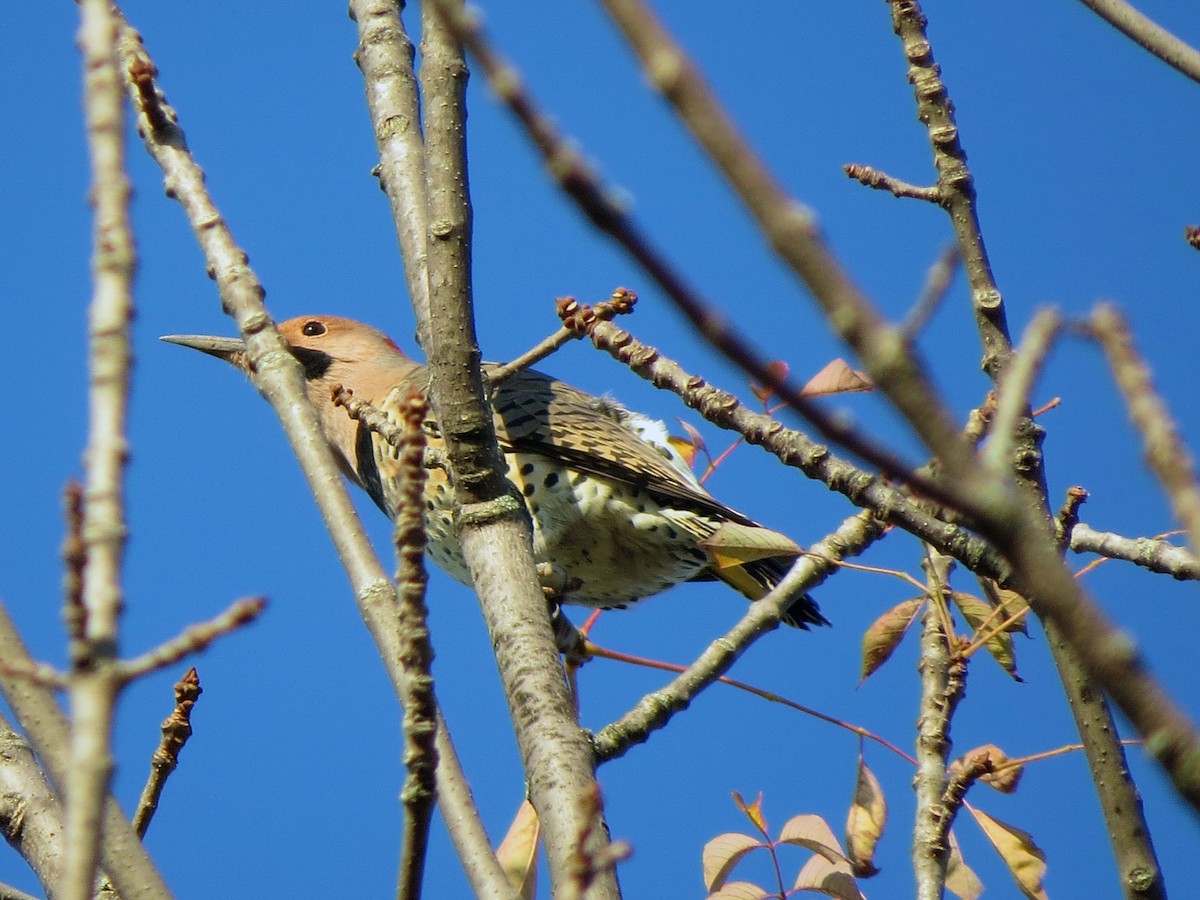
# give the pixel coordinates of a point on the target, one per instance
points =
(232, 350)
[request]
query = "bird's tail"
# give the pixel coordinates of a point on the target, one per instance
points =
(757, 578)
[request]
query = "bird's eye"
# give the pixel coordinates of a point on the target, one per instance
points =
(312, 328)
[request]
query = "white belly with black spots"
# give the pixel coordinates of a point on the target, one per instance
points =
(617, 543)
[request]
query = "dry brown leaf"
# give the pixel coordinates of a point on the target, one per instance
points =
(960, 880)
(837, 378)
(985, 620)
(865, 822)
(722, 853)
(830, 878)
(1005, 780)
(1023, 857)
(518, 852)
(885, 634)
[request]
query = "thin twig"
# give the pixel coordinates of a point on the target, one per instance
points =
(1165, 451)
(41, 674)
(937, 286)
(620, 303)
(532, 356)
(955, 184)
(194, 639)
(597, 652)
(881, 181)
(1016, 387)
(419, 793)
(652, 712)
(176, 729)
(1148, 34)
(74, 557)
(1068, 514)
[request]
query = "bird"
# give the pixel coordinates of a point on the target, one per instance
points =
(617, 513)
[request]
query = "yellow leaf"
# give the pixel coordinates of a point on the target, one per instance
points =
(753, 811)
(885, 634)
(518, 852)
(865, 822)
(1023, 857)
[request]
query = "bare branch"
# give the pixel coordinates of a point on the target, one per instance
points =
(1165, 451)
(31, 816)
(955, 184)
(194, 639)
(176, 729)
(493, 525)
(943, 680)
(1016, 387)
(937, 285)
(95, 681)
(1149, 553)
(620, 303)
(881, 181)
(279, 377)
(419, 793)
(1148, 34)
(385, 58)
(654, 711)
(124, 858)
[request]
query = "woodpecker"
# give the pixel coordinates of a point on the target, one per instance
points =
(617, 513)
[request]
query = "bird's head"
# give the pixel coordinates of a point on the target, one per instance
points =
(333, 351)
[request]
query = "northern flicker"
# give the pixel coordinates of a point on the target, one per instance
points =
(617, 513)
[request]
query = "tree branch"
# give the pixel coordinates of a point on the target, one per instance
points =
(493, 525)
(654, 710)
(280, 379)
(1149, 35)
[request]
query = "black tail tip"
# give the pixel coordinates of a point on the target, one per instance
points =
(803, 612)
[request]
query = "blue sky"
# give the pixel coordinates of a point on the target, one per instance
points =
(1082, 147)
